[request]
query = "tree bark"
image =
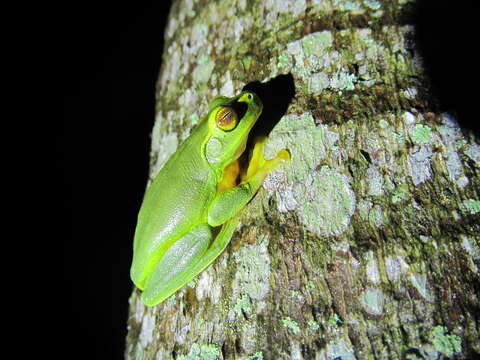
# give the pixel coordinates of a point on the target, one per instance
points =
(366, 246)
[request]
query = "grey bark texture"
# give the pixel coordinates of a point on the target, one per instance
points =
(366, 246)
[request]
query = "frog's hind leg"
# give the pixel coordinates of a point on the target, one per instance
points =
(185, 259)
(176, 267)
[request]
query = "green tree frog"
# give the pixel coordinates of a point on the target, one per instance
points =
(189, 212)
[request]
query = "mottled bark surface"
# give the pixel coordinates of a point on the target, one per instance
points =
(367, 245)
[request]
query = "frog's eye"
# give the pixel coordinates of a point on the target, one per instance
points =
(226, 118)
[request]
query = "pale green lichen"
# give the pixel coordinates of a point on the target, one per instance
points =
(455, 169)
(447, 344)
(376, 216)
(372, 4)
(253, 270)
(202, 352)
(348, 5)
(171, 300)
(373, 275)
(248, 337)
(307, 143)
(329, 199)
(295, 351)
(202, 72)
(334, 320)
(453, 141)
(471, 206)
(424, 238)
(383, 123)
(338, 349)
(204, 285)
(198, 38)
(410, 93)
(291, 324)
(472, 249)
(247, 62)
(257, 356)
(313, 44)
(140, 308)
(242, 305)
(284, 61)
(274, 9)
(318, 82)
(375, 181)
(419, 161)
(425, 352)
(372, 49)
(399, 137)
(309, 285)
(193, 283)
(313, 325)
(147, 330)
(316, 64)
(450, 129)
(329, 202)
(186, 101)
(421, 133)
(408, 118)
(396, 267)
(373, 143)
(227, 87)
(373, 301)
(295, 293)
(419, 281)
(400, 193)
(473, 152)
(363, 207)
(194, 119)
(343, 81)
(242, 25)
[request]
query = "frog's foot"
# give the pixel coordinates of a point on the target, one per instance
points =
(258, 167)
(227, 204)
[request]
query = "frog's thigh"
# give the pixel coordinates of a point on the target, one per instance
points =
(176, 267)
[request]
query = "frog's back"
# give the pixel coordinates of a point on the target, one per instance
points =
(176, 201)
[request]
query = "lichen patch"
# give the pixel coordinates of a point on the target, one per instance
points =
(253, 270)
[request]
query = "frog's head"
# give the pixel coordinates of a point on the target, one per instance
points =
(230, 121)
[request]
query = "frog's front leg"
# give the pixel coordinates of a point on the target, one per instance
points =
(177, 266)
(228, 204)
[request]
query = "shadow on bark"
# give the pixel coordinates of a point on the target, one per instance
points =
(276, 96)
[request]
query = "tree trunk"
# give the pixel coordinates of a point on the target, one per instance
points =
(366, 245)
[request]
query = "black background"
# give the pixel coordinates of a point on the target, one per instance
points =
(113, 58)
(113, 54)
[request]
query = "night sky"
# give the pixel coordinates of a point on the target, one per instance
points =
(113, 54)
